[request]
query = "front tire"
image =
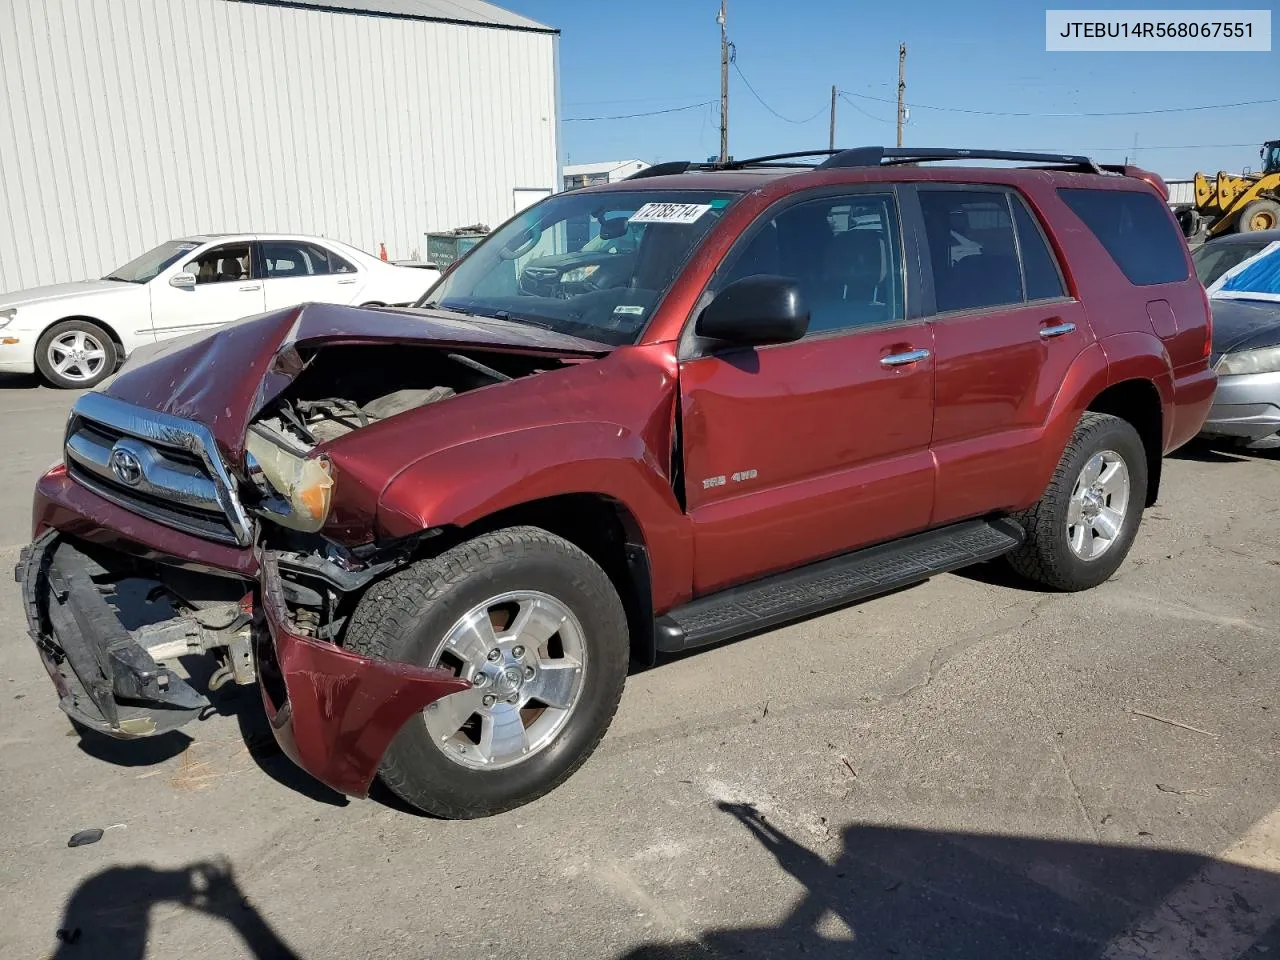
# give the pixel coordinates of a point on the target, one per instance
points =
(1259, 215)
(1081, 529)
(76, 354)
(539, 630)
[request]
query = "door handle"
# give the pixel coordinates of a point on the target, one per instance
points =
(1057, 330)
(902, 359)
(252, 286)
(343, 283)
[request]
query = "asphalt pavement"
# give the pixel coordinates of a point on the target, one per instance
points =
(966, 769)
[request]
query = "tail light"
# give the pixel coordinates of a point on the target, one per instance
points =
(1146, 176)
(1208, 323)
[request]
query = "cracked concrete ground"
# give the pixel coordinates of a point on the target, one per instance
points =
(961, 769)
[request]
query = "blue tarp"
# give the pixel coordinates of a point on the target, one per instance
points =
(1257, 278)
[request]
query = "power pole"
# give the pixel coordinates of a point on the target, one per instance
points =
(831, 141)
(724, 83)
(902, 89)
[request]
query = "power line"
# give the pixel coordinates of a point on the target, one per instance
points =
(858, 107)
(1174, 146)
(821, 110)
(647, 113)
(1104, 113)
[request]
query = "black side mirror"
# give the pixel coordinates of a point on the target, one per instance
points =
(755, 311)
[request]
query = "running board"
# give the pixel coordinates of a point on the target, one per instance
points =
(818, 587)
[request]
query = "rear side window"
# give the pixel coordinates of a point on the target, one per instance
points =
(1039, 268)
(1136, 230)
(972, 249)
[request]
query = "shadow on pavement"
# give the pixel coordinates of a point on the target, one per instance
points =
(19, 381)
(109, 915)
(1202, 451)
(998, 573)
(897, 892)
(242, 703)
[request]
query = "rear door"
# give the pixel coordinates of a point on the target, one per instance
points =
(1005, 333)
(299, 271)
(799, 451)
(227, 288)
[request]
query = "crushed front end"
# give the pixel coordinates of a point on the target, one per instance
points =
(171, 558)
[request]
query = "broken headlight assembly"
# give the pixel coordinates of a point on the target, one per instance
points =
(296, 491)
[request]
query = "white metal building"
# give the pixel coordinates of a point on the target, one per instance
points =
(128, 122)
(605, 171)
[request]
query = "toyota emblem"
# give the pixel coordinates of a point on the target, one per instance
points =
(126, 466)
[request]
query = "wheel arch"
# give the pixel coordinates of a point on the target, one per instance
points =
(97, 322)
(602, 527)
(1137, 401)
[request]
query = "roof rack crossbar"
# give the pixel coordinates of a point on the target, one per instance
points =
(876, 156)
(770, 157)
(667, 169)
(879, 156)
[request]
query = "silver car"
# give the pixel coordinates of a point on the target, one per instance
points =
(1246, 349)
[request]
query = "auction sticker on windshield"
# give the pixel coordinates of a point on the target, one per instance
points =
(669, 213)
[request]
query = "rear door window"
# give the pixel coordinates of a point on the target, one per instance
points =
(1136, 230)
(972, 248)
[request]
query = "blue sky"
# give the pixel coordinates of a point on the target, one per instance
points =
(630, 57)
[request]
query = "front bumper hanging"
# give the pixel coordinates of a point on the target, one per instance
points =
(104, 678)
(332, 711)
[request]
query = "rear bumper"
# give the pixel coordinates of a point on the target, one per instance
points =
(334, 712)
(1245, 407)
(1192, 397)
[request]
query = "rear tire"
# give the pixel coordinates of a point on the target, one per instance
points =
(542, 585)
(76, 354)
(1101, 484)
(1259, 215)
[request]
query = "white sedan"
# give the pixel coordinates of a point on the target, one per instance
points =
(76, 334)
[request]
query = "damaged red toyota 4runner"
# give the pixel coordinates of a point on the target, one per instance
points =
(639, 418)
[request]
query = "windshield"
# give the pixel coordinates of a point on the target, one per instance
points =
(1271, 157)
(592, 265)
(148, 266)
(1212, 260)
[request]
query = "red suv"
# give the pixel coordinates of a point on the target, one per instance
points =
(435, 537)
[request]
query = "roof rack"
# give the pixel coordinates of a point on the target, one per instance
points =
(768, 160)
(876, 156)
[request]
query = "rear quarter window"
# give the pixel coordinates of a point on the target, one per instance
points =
(1136, 230)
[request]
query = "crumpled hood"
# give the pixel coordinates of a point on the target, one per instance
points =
(62, 291)
(224, 378)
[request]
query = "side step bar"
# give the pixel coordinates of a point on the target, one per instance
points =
(812, 589)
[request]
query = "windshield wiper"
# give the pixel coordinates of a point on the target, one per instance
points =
(112, 276)
(437, 305)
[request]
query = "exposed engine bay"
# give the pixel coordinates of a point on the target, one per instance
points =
(347, 388)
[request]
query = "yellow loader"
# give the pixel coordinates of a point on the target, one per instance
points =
(1243, 204)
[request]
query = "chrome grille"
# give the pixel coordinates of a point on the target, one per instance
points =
(158, 466)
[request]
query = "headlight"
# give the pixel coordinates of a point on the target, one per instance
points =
(6, 316)
(580, 274)
(1265, 360)
(304, 485)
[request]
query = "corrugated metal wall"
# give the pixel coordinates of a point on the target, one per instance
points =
(128, 122)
